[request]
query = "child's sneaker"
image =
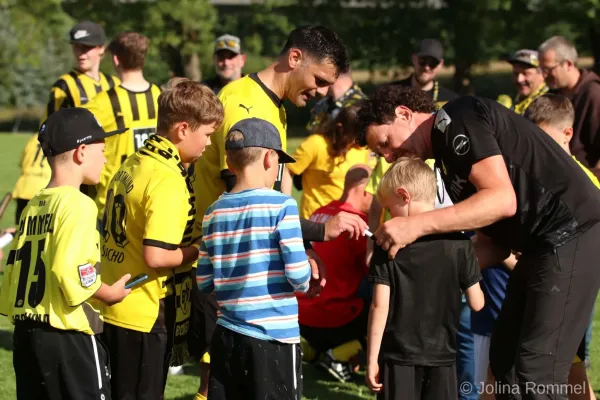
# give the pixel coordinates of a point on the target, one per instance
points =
(340, 370)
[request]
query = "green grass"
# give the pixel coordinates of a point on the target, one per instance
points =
(183, 387)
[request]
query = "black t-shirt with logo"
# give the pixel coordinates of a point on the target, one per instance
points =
(556, 201)
(425, 279)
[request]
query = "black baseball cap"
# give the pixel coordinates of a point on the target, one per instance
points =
(430, 48)
(68, 128)
(87, 33)
(259, 133)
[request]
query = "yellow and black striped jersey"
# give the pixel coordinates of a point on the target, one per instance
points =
(53, 270)
(120, 108)
(76, 89)
(35, 171)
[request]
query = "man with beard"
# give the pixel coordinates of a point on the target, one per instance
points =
(428, 60)
(228, 60)
(511, 183)
(558, 61)
(528, 78)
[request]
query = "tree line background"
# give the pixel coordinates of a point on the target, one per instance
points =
(380, 35)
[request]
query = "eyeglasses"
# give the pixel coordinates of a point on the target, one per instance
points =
(548, 70)
(428, 62)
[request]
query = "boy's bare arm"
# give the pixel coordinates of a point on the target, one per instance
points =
(374, 221)
(475, 297)
(157, 257)
(115, 293)
(377, 319)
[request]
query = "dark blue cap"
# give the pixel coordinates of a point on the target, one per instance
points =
(258, 133)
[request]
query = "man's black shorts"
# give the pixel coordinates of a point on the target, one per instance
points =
(242, 367)
(416, 382)
(203, 321)
(139, 362)
(56, 364)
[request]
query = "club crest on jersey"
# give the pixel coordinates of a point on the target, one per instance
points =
(461, 145)
(87, 275)
(442, 120)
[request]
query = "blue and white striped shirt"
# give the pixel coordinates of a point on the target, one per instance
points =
(252, 255)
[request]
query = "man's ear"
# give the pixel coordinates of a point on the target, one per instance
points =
(404, 195)
(568, 134)
(404, 113)
(295, 57)
(440, 65)
(115, 61)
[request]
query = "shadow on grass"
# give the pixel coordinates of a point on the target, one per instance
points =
(6, 339)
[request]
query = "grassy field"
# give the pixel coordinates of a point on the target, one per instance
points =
(182, 387)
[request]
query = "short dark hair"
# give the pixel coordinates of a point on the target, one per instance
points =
(380, 107)
(552, 109)
(130, 48)
(320, 43)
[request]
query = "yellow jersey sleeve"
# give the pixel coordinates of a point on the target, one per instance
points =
(589, 173)
(77, 252)
(234, 112)
(166, 224)
(306, 153)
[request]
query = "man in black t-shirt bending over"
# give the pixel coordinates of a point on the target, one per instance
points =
(521, 192)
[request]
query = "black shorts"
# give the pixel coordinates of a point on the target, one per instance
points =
(544, 316)
(203, 321)
(242, 367)
(21, 204)
(412, 382)
(324, 339)
(139, 362)
(57, 364)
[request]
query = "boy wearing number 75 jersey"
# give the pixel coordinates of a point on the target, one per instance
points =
(52, 277)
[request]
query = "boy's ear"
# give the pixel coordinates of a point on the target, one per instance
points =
(182, 130)
(404, 195)
(568, 133)
(79, 154)
(267, 159)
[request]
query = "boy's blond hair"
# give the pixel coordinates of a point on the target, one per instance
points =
(240, 158)
(189, 101)
(553, 110)
(411, 174)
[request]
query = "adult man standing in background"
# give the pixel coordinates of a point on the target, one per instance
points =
(527, 77)
(558, 61)
(228, 60)
(427, 61)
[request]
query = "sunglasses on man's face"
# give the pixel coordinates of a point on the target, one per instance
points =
(428, 62)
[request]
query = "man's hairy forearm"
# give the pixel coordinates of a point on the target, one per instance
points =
(482, 209)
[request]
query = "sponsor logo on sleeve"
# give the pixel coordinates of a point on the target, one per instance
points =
(87, 275)
(461, 145)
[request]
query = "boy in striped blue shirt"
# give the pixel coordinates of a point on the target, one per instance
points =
(252, 256)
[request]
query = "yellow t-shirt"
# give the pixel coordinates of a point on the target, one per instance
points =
(148, 203)
(120, 108)
(35, 171)
(245, 98)
(53, 269)
(322, 176)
